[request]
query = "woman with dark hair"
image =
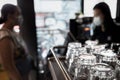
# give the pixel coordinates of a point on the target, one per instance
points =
(13, 58)
(105, 27)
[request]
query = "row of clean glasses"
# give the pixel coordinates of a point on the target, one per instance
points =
(92, 61)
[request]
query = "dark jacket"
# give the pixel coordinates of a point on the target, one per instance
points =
(111, 34)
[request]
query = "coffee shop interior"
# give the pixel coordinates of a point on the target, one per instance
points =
(64, 40)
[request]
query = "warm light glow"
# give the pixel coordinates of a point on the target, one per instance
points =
(87, 29)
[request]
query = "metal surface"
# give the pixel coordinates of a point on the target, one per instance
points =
(55, 70)
(66, 75)
(57, 73)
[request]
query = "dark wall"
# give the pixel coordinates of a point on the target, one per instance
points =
(118, 11)
(82, 6)
(28, 29)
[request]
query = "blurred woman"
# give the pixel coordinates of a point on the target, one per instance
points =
(13, 58)
(105, 28)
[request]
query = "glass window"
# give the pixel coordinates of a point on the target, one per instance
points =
(52, 21)
(89, 4)
(2, 2)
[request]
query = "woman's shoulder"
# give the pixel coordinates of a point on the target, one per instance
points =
(4, 33)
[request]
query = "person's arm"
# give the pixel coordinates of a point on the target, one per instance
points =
(7, 57)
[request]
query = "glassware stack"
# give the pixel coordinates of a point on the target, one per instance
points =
(92, 61)
(117, 70)
(72, 47)
(102, 71)
(84, 64)
(74, 50)
(109, 57)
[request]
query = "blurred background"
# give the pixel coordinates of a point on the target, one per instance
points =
(46, 23)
